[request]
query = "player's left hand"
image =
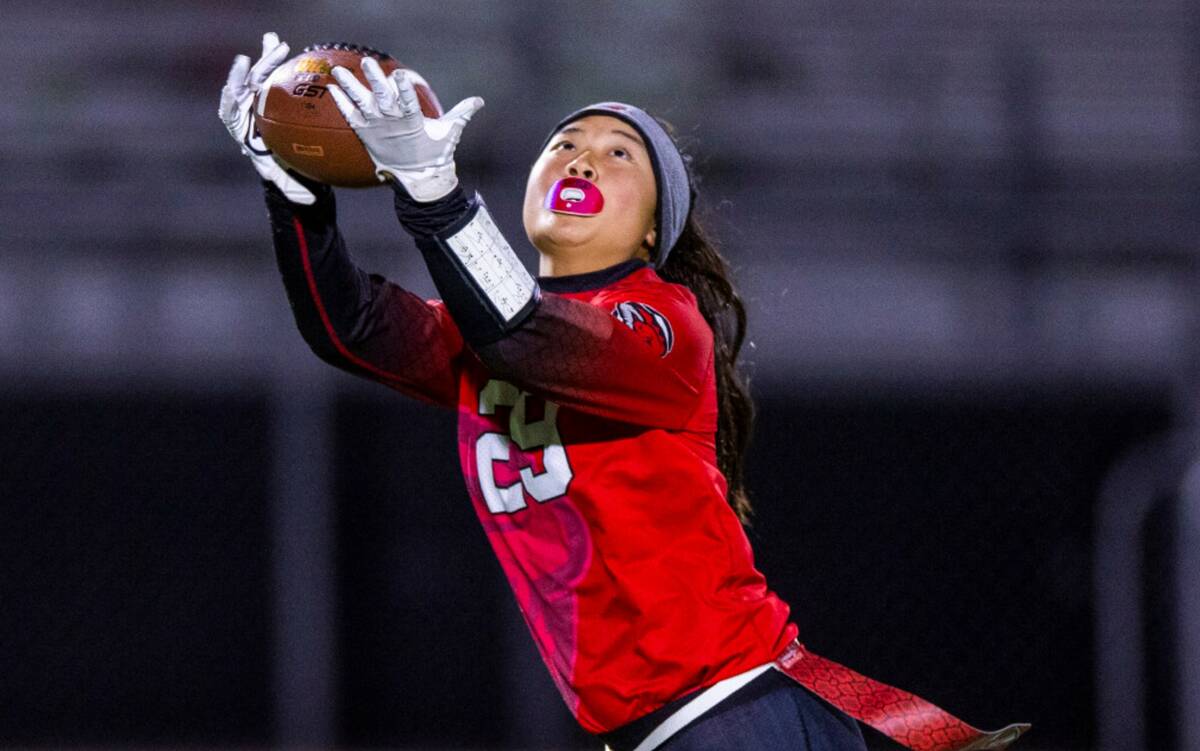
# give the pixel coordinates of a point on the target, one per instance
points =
(404, 144)
(237, 101)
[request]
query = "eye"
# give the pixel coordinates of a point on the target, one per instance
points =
(562, 145)
(621, 153)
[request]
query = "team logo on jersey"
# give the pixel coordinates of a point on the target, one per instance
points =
(647, 323)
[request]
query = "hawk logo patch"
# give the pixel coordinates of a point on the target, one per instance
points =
(648, 323)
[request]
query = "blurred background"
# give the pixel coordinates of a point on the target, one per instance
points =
(966, 233)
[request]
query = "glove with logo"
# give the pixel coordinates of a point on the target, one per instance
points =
(237, 99)
(404, 144)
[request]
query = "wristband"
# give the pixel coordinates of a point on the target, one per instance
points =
(482, 282)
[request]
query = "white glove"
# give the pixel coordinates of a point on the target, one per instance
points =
(237, 99)
(403, 143)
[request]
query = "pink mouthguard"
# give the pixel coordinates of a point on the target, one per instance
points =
(574, 195)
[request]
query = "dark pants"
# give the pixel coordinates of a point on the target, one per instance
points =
(771, 713)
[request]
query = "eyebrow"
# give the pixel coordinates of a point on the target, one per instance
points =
(627, 134)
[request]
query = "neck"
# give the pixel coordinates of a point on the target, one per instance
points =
(592, 279)
(569, 264)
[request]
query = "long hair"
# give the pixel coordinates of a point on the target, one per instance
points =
(696, 263)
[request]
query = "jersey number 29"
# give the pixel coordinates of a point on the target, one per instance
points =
(529, 436)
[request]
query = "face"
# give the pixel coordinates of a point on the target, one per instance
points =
(610, 154)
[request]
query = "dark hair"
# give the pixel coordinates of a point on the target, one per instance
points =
(696, 263)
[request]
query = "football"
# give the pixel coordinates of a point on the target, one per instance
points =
(301, 124)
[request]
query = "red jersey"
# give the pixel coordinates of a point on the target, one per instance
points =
(588, 448)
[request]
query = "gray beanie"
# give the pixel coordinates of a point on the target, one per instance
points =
(670, 174)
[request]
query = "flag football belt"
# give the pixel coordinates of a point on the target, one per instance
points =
(907, 719)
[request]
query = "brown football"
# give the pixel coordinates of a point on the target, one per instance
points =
(301, 124)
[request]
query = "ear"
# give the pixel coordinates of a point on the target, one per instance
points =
(650, 239)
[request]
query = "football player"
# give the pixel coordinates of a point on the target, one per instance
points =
(602, 421)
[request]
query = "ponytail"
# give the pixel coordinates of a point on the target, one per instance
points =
(695, 262)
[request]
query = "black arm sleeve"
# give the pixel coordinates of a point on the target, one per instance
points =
(427, 219)
(357, 321)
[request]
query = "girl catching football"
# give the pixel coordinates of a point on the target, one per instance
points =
(602, 423)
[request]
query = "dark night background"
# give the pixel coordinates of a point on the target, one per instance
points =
(966, 235)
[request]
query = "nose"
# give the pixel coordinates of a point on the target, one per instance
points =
(581, 166)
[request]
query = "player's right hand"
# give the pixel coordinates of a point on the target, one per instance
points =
(237, 101)
(417, 151)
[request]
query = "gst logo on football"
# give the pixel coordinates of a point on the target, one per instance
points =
(313, 65)
(309, 89)
(308, 150)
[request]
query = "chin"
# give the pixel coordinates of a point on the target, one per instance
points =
(563, 231)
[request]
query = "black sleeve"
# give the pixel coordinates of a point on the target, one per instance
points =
(428, 219)
(357, 321)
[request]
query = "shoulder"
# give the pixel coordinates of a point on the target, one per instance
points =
(650, 305)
